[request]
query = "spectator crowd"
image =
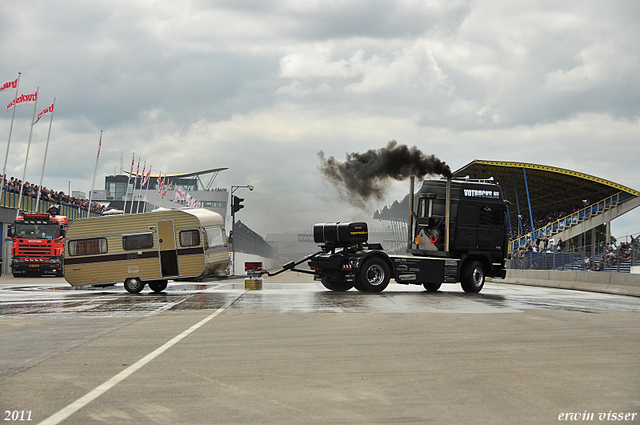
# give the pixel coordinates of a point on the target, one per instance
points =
(13, 185)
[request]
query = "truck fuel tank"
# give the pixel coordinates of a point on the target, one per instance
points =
(341, 234)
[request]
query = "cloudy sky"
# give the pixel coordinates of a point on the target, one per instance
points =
(262, 86)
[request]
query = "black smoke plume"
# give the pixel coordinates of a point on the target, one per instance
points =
(363, 176)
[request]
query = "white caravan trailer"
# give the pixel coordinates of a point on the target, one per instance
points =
(149, 248)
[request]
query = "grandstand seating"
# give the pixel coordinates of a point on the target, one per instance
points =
(565, 223)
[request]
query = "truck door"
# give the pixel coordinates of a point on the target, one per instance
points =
(491, 220)
(467, 232)
(167, 247)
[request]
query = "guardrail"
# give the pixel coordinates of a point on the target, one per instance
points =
(620, 260)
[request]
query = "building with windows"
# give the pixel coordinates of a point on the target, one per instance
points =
(125, 192)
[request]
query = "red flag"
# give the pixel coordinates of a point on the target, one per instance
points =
(160, 184)
(146, 178)
(99, 147)
(9, 85)
(168, 188)
(144, 168)
(22, 99)
(47, 110)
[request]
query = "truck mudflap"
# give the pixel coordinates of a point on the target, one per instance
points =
(420, 270)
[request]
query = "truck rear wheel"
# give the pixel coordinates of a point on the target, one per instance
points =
(158, 285)
(472, 277)
(374, 275)
(432, 287)
(336, 284)
(134, 285)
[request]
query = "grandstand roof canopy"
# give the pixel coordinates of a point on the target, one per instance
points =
(180, 175)
(550, 188)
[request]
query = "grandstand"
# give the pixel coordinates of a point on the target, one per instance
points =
(551, 201)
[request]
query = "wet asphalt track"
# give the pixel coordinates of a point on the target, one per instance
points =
(294, 352)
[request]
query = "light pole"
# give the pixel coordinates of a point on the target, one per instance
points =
(235, 207)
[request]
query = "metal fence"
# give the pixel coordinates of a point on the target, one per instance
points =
(618, 260)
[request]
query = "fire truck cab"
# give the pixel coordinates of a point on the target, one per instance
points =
(38, 244)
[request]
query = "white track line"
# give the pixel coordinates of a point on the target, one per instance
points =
(63, 414)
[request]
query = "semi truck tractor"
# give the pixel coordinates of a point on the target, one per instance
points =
(38, 243)
(457, 232)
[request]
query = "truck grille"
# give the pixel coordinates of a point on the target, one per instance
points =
(34, 250)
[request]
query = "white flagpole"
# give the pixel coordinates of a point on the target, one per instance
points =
(124, 207)
(135, 179)
(6, 156)
(142, 187)
(144, 167)
(94, 176)
(24, 171)
(155, 201)
(46, 149)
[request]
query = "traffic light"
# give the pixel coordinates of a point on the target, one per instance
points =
(236, 205)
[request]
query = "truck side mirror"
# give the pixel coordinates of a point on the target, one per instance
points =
(10, 231)
(63, 233)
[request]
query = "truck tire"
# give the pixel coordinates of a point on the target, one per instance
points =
(134, 285)
(472, 277)
(374, 275)
(432, 287)
(336, 284)
(158, 285)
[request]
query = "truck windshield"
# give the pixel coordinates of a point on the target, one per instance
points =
(39, 231)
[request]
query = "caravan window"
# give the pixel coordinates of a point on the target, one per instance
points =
(88, 246)
(214, 236)
(190, 238)
(138, 241)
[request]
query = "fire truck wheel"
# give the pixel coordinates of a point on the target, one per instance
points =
(158, 285)
(432, 287)
(374, 275)
(336, 284)
(472, 278)
(133, 285)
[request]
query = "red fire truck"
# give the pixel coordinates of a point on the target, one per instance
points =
(38, 243)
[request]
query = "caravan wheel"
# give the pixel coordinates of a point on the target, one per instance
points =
(134, 285)
(158, 285)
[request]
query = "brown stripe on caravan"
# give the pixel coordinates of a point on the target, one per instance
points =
(124, 257)
(109, 258)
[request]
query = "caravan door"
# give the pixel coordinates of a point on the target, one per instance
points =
(167, 247)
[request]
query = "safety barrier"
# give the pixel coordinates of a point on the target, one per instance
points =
(610, 283)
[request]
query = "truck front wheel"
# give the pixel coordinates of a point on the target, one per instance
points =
(432, 287)
(374, 275)
(336, 285)
(472, 277)
(134, 285)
